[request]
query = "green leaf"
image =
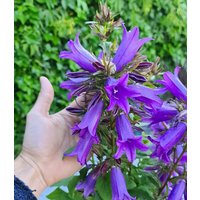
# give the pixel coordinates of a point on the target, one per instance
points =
(63, 182)
(83, 172)
(130, 182)
(142, 193)
(103, 187)
(97, 196)
(58, 194)
(64, 4)
(147, 5)
(73, 182)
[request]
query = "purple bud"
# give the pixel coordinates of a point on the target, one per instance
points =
(98, 66)
(143, 65)
(78, 75)
(95, 99)
(137, 77)
(151, 168)
(80, 90)
(118, 161)
(75, 110)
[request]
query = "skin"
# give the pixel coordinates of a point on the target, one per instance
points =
(47, 137)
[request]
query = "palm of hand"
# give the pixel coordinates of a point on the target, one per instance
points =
(47, 137)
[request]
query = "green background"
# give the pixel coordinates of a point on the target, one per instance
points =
(42, 28)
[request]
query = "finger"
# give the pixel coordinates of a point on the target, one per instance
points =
(45, 97)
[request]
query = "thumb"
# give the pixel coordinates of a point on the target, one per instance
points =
(45, 97)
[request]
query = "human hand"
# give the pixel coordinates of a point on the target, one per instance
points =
(46, 138)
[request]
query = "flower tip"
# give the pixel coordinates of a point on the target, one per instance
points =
(62, 54)
(77, 35)
(62, 85)
(124, 28)
(177, 70)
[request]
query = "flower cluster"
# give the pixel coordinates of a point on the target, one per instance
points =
(169, 128)
(121, 100)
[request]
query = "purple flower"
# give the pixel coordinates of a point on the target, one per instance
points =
(88, 185)
(75, 87)
(118, 92)
(174, 85)
(177, 191)
(179, 151)
(146, 95)
(168, 140)
(127, 142)
(159, 127)
(164, 113)
(118, 184)
(79, 55)
(91, 119)
(128, 47)
(83, 148)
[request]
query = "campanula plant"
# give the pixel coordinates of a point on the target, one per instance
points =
(129, 130)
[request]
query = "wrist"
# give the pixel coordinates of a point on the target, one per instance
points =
(28, 171)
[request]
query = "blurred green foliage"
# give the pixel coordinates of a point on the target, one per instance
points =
(42, 28)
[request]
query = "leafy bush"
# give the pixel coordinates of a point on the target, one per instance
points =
(42, 28)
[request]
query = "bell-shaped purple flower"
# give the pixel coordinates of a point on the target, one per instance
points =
(118, 184)
(174, 85)
(118, 92)
(83, 148)
(177, 191)
(75, 87)
(88, 185)
(168, 140)
(146, 95)
(91, 119)
(78, 83)
(79, 55)
(128, 47)
(163, 113)
(127, 142)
